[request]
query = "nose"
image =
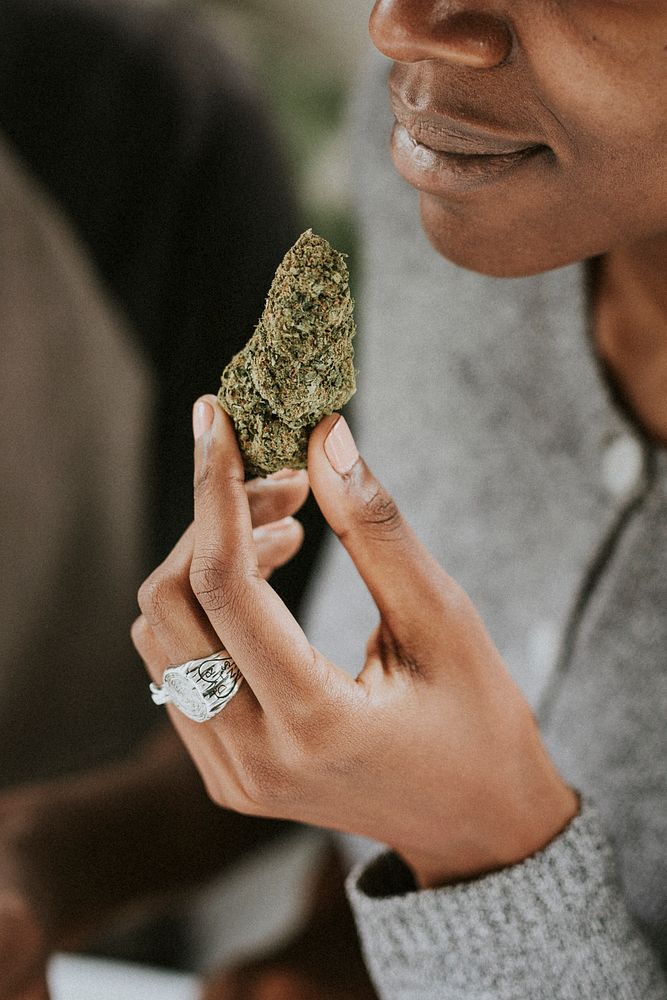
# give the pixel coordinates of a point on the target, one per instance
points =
(412, 30)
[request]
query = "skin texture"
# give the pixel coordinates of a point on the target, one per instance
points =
(630, 330)
(585, 78)
(433, 720)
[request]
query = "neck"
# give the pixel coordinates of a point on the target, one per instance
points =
(630, 323)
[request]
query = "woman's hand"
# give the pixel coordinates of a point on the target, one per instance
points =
(431, 749)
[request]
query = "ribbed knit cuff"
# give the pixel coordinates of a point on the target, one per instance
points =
(553, 927)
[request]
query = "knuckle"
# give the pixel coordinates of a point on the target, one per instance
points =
(322, 749)
(207, 573)
(154, 597)
(140, 632)
(215, 583)
(379, 513)
(212, 481)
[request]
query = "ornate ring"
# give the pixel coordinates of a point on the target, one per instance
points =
(199, 688)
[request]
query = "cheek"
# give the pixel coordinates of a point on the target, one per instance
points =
(568, 216)
(613, 158)
(612, 117)
(604, 76)
(603, 188)
(596, 82)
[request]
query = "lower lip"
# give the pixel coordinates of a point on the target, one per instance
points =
(442, 174)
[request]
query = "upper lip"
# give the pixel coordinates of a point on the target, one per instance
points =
(446, 134)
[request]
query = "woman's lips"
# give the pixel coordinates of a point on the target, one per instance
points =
(439, 161)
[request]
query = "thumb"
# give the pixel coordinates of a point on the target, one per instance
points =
(403, 578)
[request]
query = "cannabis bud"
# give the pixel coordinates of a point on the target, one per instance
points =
(298, 364)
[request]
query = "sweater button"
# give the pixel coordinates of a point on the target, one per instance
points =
(622, 465)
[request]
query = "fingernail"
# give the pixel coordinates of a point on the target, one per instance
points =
(340, 448)
(202, 418)
(273, 527)
(286, 474)
(281, 525)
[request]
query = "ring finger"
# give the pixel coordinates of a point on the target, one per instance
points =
(210, 748)
(173, 628)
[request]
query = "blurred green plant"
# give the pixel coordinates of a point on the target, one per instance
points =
(305, 74)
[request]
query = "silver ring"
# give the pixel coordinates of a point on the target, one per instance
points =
(199, 688)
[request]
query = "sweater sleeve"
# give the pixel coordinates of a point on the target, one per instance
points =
(554, 927)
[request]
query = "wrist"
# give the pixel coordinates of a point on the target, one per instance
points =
(532, 829)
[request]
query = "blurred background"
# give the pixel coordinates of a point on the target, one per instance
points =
(305, 55)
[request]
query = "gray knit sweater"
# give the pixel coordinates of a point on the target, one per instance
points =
(541, 497)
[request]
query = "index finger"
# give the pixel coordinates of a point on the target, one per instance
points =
(253, 623)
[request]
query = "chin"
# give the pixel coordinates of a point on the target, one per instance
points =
(508, 251)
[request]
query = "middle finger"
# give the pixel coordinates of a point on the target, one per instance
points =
(276, 497)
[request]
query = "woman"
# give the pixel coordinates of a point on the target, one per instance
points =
(535, 135)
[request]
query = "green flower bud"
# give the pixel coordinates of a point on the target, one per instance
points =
(298, 365)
